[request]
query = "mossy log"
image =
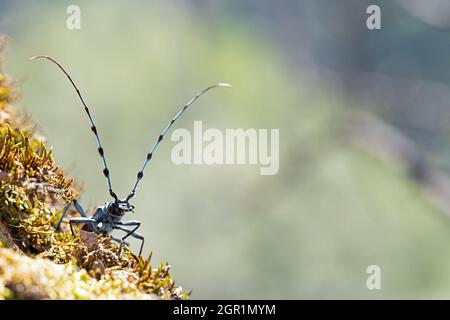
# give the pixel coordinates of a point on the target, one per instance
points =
(36, 262)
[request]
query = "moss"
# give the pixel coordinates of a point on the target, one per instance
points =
(36, 262)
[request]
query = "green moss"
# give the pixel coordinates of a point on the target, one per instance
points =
(38, 262)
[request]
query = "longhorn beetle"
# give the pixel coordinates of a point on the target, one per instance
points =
(108, 217)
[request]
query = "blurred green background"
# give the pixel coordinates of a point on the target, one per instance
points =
(311, 69)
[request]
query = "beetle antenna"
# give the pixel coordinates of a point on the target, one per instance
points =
(140, 174)
(93, 127)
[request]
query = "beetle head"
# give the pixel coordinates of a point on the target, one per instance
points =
(120, 207)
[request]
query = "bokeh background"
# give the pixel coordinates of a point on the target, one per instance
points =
(364, 135)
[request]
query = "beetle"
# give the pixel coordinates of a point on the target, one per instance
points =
(108, 217)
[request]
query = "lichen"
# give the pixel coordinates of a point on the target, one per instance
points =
(37, 262)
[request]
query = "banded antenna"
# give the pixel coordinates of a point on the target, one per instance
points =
(140, 174)
(93, 127)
